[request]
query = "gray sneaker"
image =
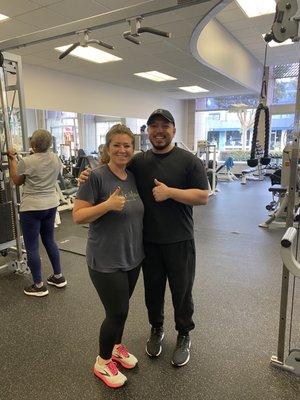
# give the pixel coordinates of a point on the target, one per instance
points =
(181, 354)
(153, 346)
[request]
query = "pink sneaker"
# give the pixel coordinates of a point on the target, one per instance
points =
(121, 355)
(109, 374)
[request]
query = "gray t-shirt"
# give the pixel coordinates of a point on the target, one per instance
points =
(115, 240)
(41, 171)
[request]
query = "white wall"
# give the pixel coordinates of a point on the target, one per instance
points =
(52, 90)
(226, 55)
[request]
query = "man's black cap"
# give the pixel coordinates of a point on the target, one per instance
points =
(163, 113)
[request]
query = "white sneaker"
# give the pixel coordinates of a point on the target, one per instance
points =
(121, 355)
(109, 374)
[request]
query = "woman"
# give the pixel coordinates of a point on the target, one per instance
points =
(110, 203)
(38, 175)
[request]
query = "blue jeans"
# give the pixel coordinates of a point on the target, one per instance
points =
(35, 223)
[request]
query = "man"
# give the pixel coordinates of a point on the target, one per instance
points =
(170, 181)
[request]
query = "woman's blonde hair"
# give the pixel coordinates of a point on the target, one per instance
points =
(41, 140)
(118, 129)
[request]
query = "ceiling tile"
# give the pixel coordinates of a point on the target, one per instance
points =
(171, 56)
(116, 4)
(12, 28)
(17, 7)
(77, 9)
(43, 18)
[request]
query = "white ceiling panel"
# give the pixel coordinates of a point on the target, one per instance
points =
(171, 56)
(159, 19)
(12, 28)
(77, 9)
(116, 4)
(17, 7)
(230, 16)
(43, 18)
(197, 9)
(51, 44)
(166, 45)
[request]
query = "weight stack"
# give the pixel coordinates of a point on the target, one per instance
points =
(3, 196)
(7, 225)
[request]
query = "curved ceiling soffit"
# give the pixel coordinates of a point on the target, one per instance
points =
(203, 23)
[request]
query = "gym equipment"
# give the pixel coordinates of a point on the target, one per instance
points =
(279, 190)
(286, 23)
(253, 174)
(73, 244)
(287, 254)
(276, 192)
(81, 163)
(284, 27)
(204, 152)
(289, 241)
(262, 108)
(84, 161)
(10, 232)
(150, 8)
(279, 208)
(227, 175)
(136, 30)
(66, 195)
(84, 42)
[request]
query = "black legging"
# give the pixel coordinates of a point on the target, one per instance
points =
(114, 290)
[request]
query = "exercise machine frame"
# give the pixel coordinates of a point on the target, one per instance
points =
(285, 27)
(11, 64)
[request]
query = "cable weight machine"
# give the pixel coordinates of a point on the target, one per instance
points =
(286, 25)
(10, 233)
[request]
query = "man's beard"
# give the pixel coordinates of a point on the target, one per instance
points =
(161, 146)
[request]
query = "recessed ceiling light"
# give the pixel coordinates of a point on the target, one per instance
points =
(90, 54)
(193, 89)
(155, 76)
(3, 17)
(255, 8)
(275, 44)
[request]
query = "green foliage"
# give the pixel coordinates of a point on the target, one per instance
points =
(285, 90)
(237, 155)
(241, 155)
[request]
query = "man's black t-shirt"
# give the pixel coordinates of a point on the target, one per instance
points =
(168, 221)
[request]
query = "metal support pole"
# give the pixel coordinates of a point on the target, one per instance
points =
(22, 108)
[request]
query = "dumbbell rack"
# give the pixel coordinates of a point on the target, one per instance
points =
(10, 233)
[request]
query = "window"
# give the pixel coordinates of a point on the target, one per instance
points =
(285, 83)
(285, 90)
(214, 116)
(233, 140)
(101, 130)
(64, 128)
(225, 102)
(281, 131)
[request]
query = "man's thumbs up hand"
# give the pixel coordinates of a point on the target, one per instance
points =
(160, 191)
(157, 182)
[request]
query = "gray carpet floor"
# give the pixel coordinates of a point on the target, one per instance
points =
(48, 345)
